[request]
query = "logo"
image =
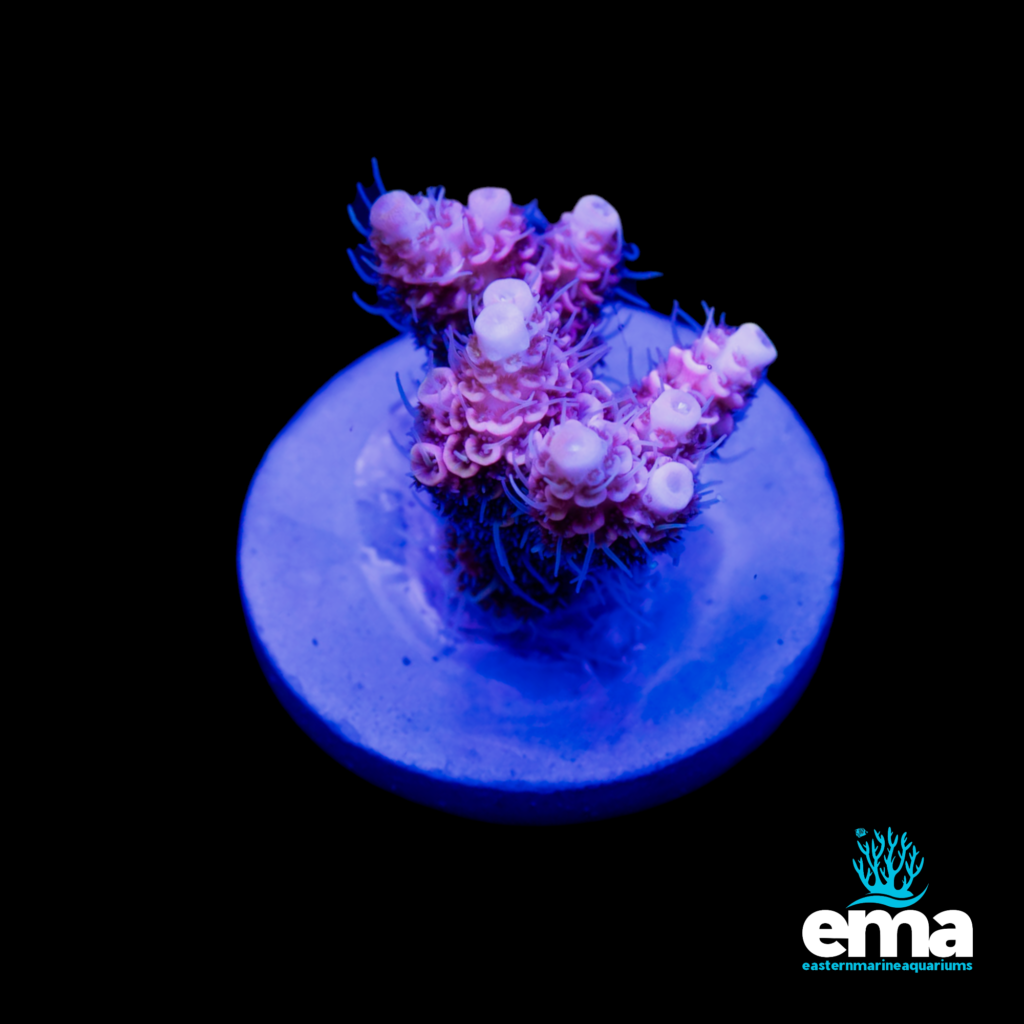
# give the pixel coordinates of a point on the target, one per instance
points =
(880, 877)
(887, 868)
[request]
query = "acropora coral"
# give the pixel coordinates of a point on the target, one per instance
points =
(544, 473)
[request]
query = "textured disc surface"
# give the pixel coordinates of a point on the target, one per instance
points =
(353, 615)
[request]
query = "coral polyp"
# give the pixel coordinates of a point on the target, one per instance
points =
(544, 472)
(583, 251)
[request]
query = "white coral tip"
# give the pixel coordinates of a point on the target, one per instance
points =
(397, 218)
(669, 489)
(596, 215)
(754, 345)
(575, 449)
(511, 289)
(501, 331)
(676, 411)
(491, 205)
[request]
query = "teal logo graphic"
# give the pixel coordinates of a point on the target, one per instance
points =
(881, 875)
(861, 832)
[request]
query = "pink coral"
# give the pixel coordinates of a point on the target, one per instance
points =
(526, 453)
(599, 474)
(436, 253)
(583, 470)
(715, 374)
(518, 406)
(520, 402)
(513, 372)
(723, 363)
(615, 465)
(581, 253)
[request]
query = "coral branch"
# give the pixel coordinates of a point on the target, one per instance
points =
(912, 873)
(859, 868)
(510, 414)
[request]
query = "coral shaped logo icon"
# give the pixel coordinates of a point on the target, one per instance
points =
(881, 874)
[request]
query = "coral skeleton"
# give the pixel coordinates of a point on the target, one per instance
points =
(546, 475)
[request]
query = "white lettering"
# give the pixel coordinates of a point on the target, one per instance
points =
(888, 928)
(961, 934)
(822, 927)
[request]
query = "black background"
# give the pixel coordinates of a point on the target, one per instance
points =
(832, 237)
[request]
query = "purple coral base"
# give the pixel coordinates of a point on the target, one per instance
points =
(533, 805)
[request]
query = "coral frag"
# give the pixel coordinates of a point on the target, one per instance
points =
(543, 472)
